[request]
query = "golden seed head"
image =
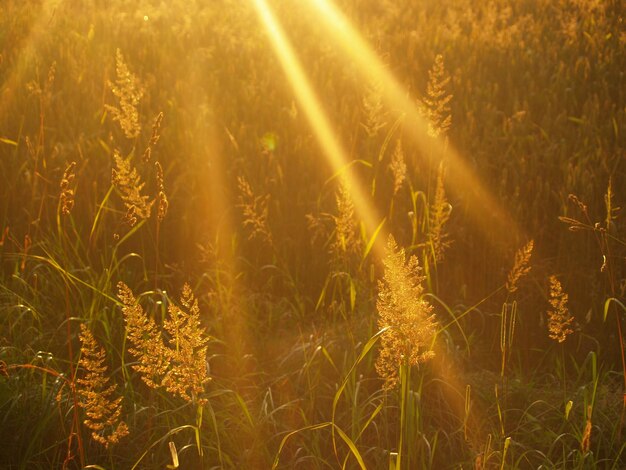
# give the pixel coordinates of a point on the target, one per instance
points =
(255, 211)
(162, 202)
(128, 91)
(144, 338)
(180, 366)
(347, 241)
(521, 266)
(439, 215)
(409, 317)
(127, 180)
(398, 167)
(102, 410)
(67, 192)
(436, 104)
(559, 318)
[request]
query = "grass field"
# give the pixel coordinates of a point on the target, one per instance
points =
(258, 234)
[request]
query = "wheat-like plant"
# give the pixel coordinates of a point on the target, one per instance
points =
(128, 91)
(255, 212)
(409, 317)
(187, 350)
(126, 178)
(521, 266)
(145, 339)
(436, 104)
(559, 318)
(97, 395)
(439, 215)
(67, 192)
(398, 167)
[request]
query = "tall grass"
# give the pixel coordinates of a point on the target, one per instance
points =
(160, 147)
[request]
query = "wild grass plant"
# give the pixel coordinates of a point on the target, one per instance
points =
(148, 151)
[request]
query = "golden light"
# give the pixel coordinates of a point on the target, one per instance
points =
(487, 213)
(31, 44)
(329, 143)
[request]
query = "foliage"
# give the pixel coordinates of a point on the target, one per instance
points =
(275, 359)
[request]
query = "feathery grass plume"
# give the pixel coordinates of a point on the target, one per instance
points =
(398, 167)
(187, 350)
(128, 91)
(436, 104)
(375, 115)
(520, 267)
(67, 193)
(128, 181)
(255, 212)
(439, 215)
(147, 154)
(347, 240)
(560, 319)
(146, 343)
(161, 200)
(400, 307)
(96, 395)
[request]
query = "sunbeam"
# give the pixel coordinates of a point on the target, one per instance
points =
(329, 143)
(486, 211)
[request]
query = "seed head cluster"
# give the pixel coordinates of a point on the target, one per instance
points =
(408, 317)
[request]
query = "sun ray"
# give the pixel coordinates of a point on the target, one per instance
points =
(328, 141)
(487, 213)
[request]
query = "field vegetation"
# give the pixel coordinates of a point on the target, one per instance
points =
(312, 234)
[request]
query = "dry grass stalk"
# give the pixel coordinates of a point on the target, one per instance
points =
(255, 212)
(67, 193)
(560, 320)
(439, 215)
(188, 349)
(400, 307)
(96, 394)
(145, 340)
(161, 200)
(436, 106)
(347, 240)
(398, 167)
(521, 266)
(147, 154)
(128, 181)
(128, 91)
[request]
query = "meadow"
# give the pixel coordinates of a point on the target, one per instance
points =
(312, 234)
